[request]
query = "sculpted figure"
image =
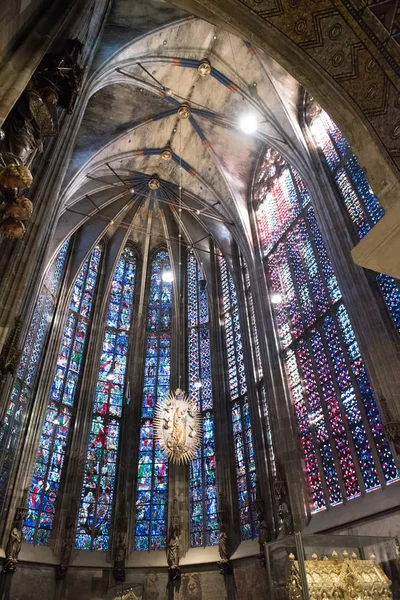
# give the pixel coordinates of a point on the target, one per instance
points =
(14, 545)
(26, 126)
(223, 545)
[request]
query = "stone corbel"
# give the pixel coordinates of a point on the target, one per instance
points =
(379, 250)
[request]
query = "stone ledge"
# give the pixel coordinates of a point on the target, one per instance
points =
(380, 249)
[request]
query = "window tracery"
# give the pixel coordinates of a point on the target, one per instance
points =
(95, 513)
(203, 483)
(246, 476)
(53, 441)
(32, 354)
(358, 199)
(152, 480)
(345, 449)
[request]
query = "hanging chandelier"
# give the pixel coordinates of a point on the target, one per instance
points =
(177, 425)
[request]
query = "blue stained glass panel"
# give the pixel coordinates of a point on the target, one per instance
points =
(53, 441)
(358, 199)
(241, 425)
(203, 485)
(152, 483)
(97, 495)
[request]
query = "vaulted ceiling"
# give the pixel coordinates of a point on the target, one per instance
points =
(147, 66)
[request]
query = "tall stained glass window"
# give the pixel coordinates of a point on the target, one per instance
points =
(357, 197)
(244, 452)
(203, 484)
(32, 354)
(152, 481)
(95, 513)
(258, 373)
(53, 441)
(345, 448)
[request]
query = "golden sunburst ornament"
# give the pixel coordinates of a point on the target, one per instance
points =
(177, 425)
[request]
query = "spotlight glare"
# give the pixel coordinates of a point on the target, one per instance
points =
(248, 123)
(131, 190)
(167, 276)
(276, 298)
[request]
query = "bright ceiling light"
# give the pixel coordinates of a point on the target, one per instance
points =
(167, 276)
(248, 123)
(276, 298)
(197, 384)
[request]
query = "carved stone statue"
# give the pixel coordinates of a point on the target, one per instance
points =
(120, 555)
(14, 545)
(173, 543)
(67, 546)
(25, 128)
(15, 538)
(284, 512)
(223, 545)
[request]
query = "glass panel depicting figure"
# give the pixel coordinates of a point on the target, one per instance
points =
(53, 441)
(32, 355)
(357, 197)
(152, 482)
(246, 476)
(95, 513)
(203, 484)
(344, 445)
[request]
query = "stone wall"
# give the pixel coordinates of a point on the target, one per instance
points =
(16, 17)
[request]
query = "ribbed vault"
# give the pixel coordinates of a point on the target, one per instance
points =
(129, 117)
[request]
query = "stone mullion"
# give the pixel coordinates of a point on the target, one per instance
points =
(284, 430)
(372, 326)
(224, 442)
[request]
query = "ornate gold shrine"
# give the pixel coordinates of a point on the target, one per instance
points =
(178, 427)
(128, 595)
(339, 579)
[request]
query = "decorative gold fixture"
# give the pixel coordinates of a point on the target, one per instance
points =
(166, 153)
(177, 425)
(154, 183)
(184, 111)
(339, 579)
(204, 68)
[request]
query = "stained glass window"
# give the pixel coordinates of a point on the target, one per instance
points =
(53, 441)
(203, 484)
(345, 449)
(358, 199)
(244, 451)
(25, 381)
(258, 373)
(95, 513)
(152, 481)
